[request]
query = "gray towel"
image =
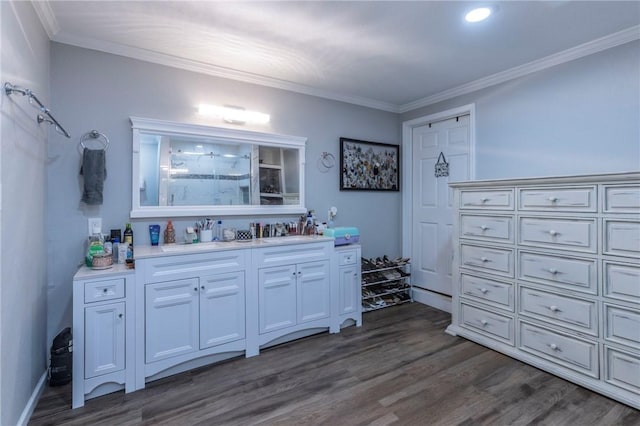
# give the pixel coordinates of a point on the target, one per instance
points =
(95, 172)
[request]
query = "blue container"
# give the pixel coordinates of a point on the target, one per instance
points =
(343, 235)
(154, 234)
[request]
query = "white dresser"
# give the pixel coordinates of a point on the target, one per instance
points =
(547, 271)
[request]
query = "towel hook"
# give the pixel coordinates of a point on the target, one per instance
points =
(326, 161)
(94, 134)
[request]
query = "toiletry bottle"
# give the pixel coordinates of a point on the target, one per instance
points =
(115, 243)
(128, 238)
(169, 233)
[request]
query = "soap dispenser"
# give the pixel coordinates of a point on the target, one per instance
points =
(169, 233)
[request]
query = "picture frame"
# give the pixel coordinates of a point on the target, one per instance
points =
(369, 166)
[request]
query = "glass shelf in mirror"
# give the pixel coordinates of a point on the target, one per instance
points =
(192, 170)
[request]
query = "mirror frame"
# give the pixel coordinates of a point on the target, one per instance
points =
(152, 126)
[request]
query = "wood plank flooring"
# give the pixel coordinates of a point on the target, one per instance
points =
(399, 368)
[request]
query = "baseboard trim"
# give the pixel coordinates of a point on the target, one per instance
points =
(33, 401)
(429, 298)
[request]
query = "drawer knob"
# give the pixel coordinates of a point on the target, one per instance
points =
(483, 290)
(553, 347)
(484, 227)
(120, 315)
(202, 287)
(553, 233)
(484, 200)
(553, 271)
(104, 290)
(484, 322)
(195, 289)
(484, 259)
(554, 308)
(553, 199)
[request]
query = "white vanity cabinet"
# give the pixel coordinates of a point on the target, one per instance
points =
(294, 291)
(102, 332)
(349, 297)
(189, 306)
(548, 271)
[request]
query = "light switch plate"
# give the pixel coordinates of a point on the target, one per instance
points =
(94, 225)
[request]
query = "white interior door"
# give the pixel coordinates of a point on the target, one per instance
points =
(431, 203)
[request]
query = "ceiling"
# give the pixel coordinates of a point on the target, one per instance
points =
(393, 56)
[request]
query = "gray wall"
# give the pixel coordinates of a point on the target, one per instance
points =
(579, 117)
(23, 160)
(94, 90)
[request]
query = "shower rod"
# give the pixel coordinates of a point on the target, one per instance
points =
(10, 89)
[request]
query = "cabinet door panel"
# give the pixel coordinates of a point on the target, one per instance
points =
(349, 282)
(222, 314)
(277, 295)
(314, 295)
(104, 339)
(171, 314)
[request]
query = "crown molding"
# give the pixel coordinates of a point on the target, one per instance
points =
(585, 49)
(217, 71)
(47, 17)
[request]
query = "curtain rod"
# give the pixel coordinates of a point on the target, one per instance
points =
(10, 89)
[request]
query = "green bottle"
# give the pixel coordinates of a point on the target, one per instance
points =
(128, 238)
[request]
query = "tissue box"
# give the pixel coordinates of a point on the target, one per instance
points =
(343, 235)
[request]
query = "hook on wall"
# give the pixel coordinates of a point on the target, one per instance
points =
(326, 162)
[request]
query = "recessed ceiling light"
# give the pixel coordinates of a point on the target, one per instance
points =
(477, 15)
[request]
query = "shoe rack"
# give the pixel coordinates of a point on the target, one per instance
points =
(385, 283)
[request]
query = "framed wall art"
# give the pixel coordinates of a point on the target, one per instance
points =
(369, 166)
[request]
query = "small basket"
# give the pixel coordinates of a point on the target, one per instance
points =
(101, 261)
(228, 234)
(243, 235)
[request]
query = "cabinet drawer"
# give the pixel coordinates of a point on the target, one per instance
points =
(579, 314)
(289, 254)
(487, 291)
(558, 199)
(499, 199)
(496, 326)
(621, 281)
(559, 272)
(622, 199)
(97, 291)
(498, 228)
(571, 352)
(622, 369)
(622, 237)
(347, 257)
(169, 268)
(622, 325)
(573, 234)
(488, 259)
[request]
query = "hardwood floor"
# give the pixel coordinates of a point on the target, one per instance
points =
(399, 368)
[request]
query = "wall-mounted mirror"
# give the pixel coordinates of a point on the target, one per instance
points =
(193, 170)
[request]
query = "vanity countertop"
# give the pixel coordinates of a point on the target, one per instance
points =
(142, 252)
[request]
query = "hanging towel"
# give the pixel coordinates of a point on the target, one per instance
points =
(95, 172)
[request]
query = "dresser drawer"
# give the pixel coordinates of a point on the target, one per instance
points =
(290, 254)
(579, 314)
(498, 199)
(622, 238)
(489, 323)
(487, 259)
(497, 228)
(167, 268)
(98, 291)
(558, 199)
(622, 325)
(559, 272)
(622, 369)
(571, 352)
(622, 199)
(621, 281)
(347, 257)
(572, 234)
(487, 291)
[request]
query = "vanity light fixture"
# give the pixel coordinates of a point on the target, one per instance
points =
(477, 15)
(234, 114)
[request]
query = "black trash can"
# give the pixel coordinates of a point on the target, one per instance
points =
(61, 358)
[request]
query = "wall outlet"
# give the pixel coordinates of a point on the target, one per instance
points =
(95, 225)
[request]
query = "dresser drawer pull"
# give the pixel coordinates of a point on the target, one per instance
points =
(484, 322)
(484, 290)
(554, 347)
(104, 290)
(484, 259)
(553, 271)
(554, 308)
(484, 200)
(484, 227)
(553, 233)
(553, 199)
